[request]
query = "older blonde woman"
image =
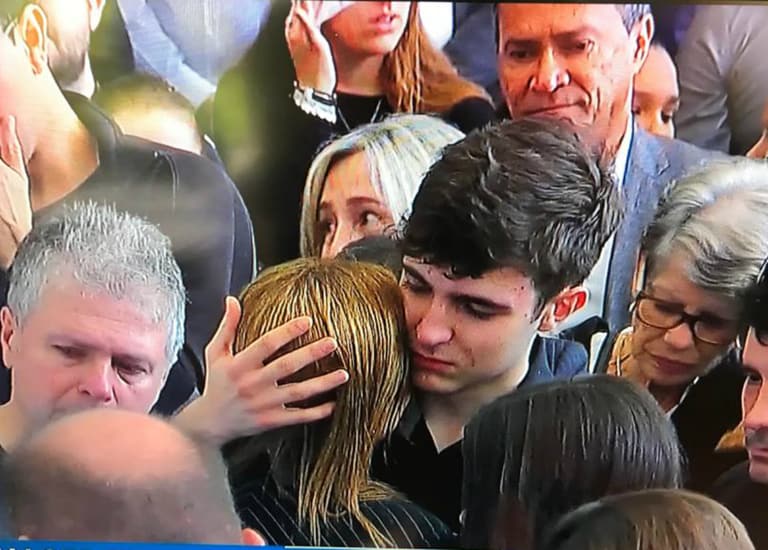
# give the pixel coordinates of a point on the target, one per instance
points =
(318, 491)
(363, 183)
(701, 253)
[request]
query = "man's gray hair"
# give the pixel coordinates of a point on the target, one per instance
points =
(718, 218)
(631, 14)
(106, 251)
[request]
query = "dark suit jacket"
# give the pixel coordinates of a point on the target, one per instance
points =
(654, 162)
(472, 48)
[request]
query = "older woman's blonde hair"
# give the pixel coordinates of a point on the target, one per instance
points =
(359, 305)
(671, 519)
(399, 150)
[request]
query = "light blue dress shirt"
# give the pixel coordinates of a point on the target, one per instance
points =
(190, 43)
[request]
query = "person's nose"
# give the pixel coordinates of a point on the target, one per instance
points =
(96, 379)
(341, 237)
(755, 404)
(550, 73)
(434, 327)
(680, 337)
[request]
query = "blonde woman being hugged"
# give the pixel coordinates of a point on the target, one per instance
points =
(317, 491)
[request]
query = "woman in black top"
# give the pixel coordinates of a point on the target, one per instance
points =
(352, 68)
(317, 490)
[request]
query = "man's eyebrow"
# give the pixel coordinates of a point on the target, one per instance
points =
(75, 342)
(564, 36)
(483, 302)
(413, 273)
(576, 33)
(521, 42)
(134, 360)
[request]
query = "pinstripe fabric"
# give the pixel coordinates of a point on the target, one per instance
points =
(264, 507)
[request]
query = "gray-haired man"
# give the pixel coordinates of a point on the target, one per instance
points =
(95, 318)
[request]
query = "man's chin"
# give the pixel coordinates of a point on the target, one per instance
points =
(571, 115)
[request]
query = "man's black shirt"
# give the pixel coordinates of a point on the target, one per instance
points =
(746, 499)
(432, 479)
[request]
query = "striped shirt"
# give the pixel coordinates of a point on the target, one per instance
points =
(274, 513)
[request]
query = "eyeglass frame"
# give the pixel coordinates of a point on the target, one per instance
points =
(685, 318)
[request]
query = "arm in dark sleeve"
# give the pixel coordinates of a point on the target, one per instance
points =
(471, 113)
(213, 244)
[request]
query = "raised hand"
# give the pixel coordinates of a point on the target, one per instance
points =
(310, 50)
(15, 205)
(242, 393)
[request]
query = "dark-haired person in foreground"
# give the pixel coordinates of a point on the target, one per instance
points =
(576, 63)
(534, 455)
(744, 489)
(495, 249)
(145, 481)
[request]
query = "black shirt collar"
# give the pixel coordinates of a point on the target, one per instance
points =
(103, 129)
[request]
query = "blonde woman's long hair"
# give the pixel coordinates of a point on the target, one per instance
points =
(327, 463)
(419, 78)
(399, 151)
(671, 519)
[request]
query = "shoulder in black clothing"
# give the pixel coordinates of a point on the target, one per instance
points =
(273, 512)
(746, 499)
(411, 462)
(196, 205)
(711, 408)
(5, 530)
(471, 113)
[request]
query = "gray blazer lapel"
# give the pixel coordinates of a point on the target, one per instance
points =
(643, 184)
(653, 163)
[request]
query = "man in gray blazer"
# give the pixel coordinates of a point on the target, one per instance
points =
(576, 62)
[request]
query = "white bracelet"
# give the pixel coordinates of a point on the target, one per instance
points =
(304, 100)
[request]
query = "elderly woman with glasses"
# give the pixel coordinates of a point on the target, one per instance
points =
(700, 254)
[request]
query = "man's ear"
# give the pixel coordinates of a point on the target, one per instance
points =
(641, 37)
(7, 330)
(251, 537)
(95, 11)
(568, 302)
(33, 33)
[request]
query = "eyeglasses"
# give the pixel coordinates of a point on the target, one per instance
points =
(667, 315)
(756, 312)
